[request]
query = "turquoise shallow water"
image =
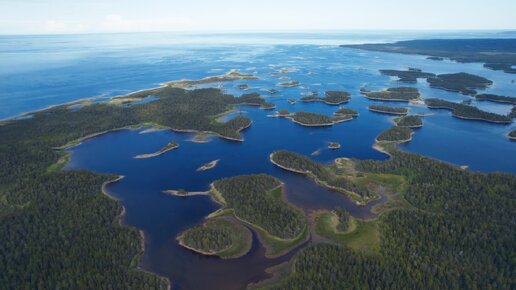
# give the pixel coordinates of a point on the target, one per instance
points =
(47, 70)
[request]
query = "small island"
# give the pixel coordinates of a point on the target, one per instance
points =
(289, 84)
(331, 98)
(170, 146)
(437, 58)
(400, 94)
(209, 165)
(512, 135)
(333, 145)
(388, 110)
(409, 121)
(407, 76)
(343, 111)
(463, 83)
(468, 112)
(314, 120)
(496, 98)
(220, 237)
(243, 87)
(396, 135)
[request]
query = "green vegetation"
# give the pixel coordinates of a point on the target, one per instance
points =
(331, 98)
(360, 235)
(388, 110)
(255, 99)
(496, 98)
(342, 111)
(512, 135)
(253, 199)
(396, 134)
(496, 54)
(458, 233)
(61, 231)
(289, 84)
(170, 146)
(401, 94)
(407, 76)
(344, 218)
(464, 111)
(313, 119)
(323, 175)
(409, 121)
(219, 237)
(459, 82)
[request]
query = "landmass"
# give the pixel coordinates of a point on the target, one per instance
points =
(326, 176)
(459, 82)
(331, 98)
(430, 196)
(209, 165)
(333, 145)
(396, 134)
(409, 121)
(467, 112)
(289, 84)
(255, 99)
(233, 75)
(401, 94)
(496, 98)
(314, 120)
(512, 135)
(257, 200)
(407, 76)
(342, 111)
(170, 146)
(388, 110)
(496, 54)
(222, 237)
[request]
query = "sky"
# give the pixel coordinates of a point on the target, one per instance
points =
(96, 16)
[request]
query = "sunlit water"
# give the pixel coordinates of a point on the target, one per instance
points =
(42, 71)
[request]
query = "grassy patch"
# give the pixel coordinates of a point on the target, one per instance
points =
(361, 235)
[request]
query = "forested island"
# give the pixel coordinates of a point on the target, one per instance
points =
(409, 121)
(325, 176)
(255, 99)
(496, 54)
(219, 237)
(388, 110)
(464, 111)
(396, 134)
(401, 94)
(331, 98)
(459, 82)
(423, 238)
(512, 135)
(168, 147)
(407, 76)
(496, 98)
(289, 84)
(342, 111)
(312, 119)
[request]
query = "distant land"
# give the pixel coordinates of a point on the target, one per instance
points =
(495, 54)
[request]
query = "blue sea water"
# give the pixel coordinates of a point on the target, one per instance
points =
(39, 71)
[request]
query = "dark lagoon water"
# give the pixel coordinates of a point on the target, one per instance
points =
(49, 70)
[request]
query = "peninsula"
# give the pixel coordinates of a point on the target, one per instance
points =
(168, 147)
(467, 112)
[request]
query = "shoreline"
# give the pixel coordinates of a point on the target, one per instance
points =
(158, 153)
(386, 112)
(120, 217)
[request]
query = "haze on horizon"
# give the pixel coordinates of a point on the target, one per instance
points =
(95, 16)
